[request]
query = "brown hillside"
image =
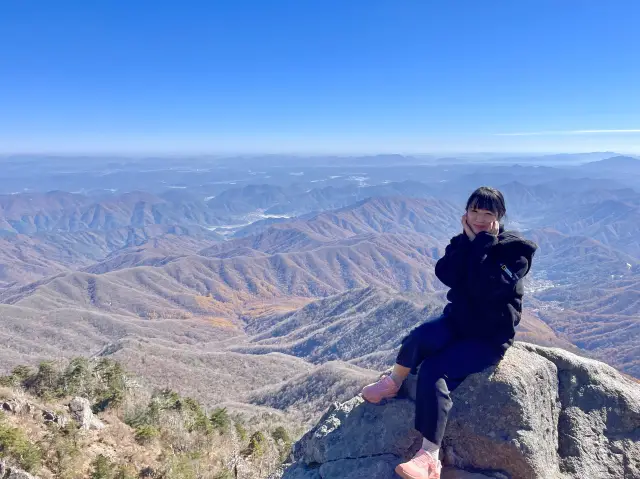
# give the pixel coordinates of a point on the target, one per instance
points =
(210, 286)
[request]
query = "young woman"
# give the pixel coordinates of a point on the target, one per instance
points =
(483, 267)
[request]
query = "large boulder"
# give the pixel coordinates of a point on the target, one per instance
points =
(81, 412)
(542, 413)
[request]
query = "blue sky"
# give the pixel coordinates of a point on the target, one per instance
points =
(314, 76)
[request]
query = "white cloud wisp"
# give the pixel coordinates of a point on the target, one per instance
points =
(569, 132)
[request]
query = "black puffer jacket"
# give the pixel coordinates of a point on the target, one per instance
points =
(485, 277)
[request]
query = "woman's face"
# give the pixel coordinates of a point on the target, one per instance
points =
(480, 220)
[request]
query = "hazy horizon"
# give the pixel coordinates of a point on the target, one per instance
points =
(480, 155)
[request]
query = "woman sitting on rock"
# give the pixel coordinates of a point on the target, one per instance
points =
(484, 267)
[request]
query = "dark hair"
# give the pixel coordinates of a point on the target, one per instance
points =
(487, 198)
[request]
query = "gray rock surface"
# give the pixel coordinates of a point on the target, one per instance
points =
(17, 406)
(599, 417)
(382, 430)
(52, 417)
(541, 414)
(22, 406)
(453, 473)
(505, 419)
(81, 412)
(7, 472)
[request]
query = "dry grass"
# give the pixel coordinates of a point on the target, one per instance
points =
(6, 393)
(182, 448)
(256, 310)
(221, 322)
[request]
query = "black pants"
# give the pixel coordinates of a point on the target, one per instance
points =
(446, 360)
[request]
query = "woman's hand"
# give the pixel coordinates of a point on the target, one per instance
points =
(495, 228)
(467, 229)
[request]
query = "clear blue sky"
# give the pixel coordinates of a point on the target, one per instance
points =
(319, 75)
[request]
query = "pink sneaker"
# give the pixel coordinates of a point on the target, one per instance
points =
(422, 466)
(384, 388)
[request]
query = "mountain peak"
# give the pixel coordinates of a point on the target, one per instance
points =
(619, 161)
(622, 159)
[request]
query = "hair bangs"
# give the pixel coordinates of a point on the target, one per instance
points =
(489, 199)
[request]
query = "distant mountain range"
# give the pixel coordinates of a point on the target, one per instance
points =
(29, 257)
(625, 165)
(328, 254)
(571, 259)
(58, 211)
(612, 222)
(386, 242)
(291, 292)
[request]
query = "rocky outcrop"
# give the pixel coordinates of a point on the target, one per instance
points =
(540, 414)
(54, 418)
(21, 406)
(7, 472)
(18, 406)
(81, 412)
